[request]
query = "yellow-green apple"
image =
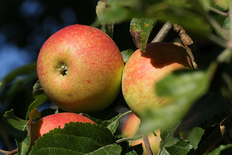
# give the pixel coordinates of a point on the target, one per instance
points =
(50, 122)
(144, 69)
(80, 69)
(129, 128)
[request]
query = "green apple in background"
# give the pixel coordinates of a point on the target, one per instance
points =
(144, 69)
(50, 122)
(80, 69)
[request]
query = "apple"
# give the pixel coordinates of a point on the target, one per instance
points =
(80, 69)
(144, 69)
(129, 128)
(50, 122)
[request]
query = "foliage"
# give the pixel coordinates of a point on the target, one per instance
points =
(202, 97)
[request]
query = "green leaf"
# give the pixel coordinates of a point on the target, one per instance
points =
(117, 11)
(37, 89)
(23, 143)
(107, 150)
(187, 14)
(10, 122)
(203, 109)
(168, 138)
(108, 28)
(126, 54)
(184, 87)
(172, 145)
(39, 99)
(182, 147)
(194, 136)
(18, 128)
(140, 29)
(108, 118)
(218, 150)
(20, 77)
(78, 138)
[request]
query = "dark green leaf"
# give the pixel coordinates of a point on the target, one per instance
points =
(205, 108)
(17, 80)
(24, 70)
(126, 54)
(140, 29)
(107, 150)
(39, 99)
(182, 147)
(18, 128)
(168, 138)
(109, 119)
(76, 137)
(37, 89)
(218, 150)
(10, 122)
(194, 136)
(23, 143)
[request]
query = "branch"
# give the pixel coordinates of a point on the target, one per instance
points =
(226, 14)
(215, 136)
(163, 32)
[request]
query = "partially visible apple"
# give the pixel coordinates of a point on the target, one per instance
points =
(80, 69)
(50, 122)
(144, 69)
(129, 128)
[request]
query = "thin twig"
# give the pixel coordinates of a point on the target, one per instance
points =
(226, 14)
(215, 136)
(9, 152)
(163, 32)
(147, 145)
(220, 30)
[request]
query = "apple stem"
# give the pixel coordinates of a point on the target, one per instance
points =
(63, 70)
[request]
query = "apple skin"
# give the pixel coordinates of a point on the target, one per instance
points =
(129, 128)
(144, 69)
(50, 122)
(80, 69)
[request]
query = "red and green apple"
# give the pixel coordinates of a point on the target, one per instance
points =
(80, 69)
(144, 69)
(50, 122)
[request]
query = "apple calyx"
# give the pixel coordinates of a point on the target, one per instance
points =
(63, 70)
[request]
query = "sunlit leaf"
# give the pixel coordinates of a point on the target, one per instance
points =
(140, 29)
(126, 54)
